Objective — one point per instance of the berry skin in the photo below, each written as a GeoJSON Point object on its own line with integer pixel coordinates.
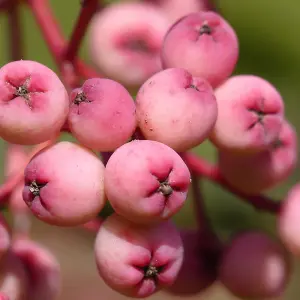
{"type": "Point", "coordinates": [204, 44]}
{"type": "Point", "coordinates": [176, 9]}
{"type": "Point", "coordinates": [64, 185]}
{"type": "Point", "coordinates": [14, 281]}
{"type": "Point", "coordinates": [255, 267]}
{"type": "Point", "coordinates": [34, 103]}
{"type": "Point", "coordinates": [125, 41]}
{"type": "Point", "coordinates": [251, 114]}
{"type": "Point", "coordinates": [136, 260]}
{"type": "Point", "coordinates": [288, 221]}
{"type": "Point", "coordinates": [43, 269]}
{"type": "Point", "coordinates": [146, 181]}
{"type": "Point", "coordinates": [200, 262]}
{"type": "Point", "coordinates": [102, 114]}
{"type": "Point", "coordinates": [256, 172]}
{"type": "Point", "coordinates": [176, 109]}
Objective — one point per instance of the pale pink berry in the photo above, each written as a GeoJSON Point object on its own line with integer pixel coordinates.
{"type": "Point", "coordinates": [42, 267]}
{"type": "Point", "coordinates": [288, 221]}
{"type": "Point", "coordinates": [64, 185]}
{"type": "Point", "coordinates": [33, 103]}
{"type": "Point", "coordinates": [136, 260]}
{"type": "Point", "coordinates": [254, 266]}
{"type": "Point", "coordinates": [14, 281]}
{"type": "Point", "coordinates": [125, 41]}
{"type": "Point", "coordinates": [253, 173]}
{"type": "Point", "coordinates": [146, 181]}
{"type": "Point", "coordinates": [176, 109]}
{"type": "Point", "coordinates": [204, 44]}
{"type": "Point", "coordinates": [102, 114]}
{"type": "Point", "coordinates": [251, 113]}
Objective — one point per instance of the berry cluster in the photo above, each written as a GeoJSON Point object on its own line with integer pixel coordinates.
{"type": "Point", "coordinates": [133, 154]}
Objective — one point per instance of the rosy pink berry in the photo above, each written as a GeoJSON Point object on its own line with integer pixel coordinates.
{"type": "Point", "coordinates": [251, 113]}
{"type": "Point", "coordinates": [43, 269]}
{"type": "Point", "coordinates": [136, 260]}
{"type": "Point", "coordinates": [253, 173]}
{"type": "Point", "coordinates": [33, 103]}
{"type": "Point", "coordinates": [64, 185]}
{"type": "Point", "coordinates": [125, 41]}
{"type": "Point", "coordinates": [176, 109]}
{"type": "Point", "coordinates": [255, 267]}
{"type": "Point", "coordinates": [102, 114]}
{"type": "Point", "coordinates": [146, 181]}
{"type": "Point", "coordinates": [204, 44]}
{"type": "Point", "coordinates": [288, 221]}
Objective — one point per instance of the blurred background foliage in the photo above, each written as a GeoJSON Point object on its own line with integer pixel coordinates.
{"type": "Point", "coordinates": [269, 38]}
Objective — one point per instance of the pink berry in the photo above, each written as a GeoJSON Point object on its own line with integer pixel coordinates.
{"type": "Point", "coordinates": [200, 262]}
{"type": "Point", "coordinates": [64, 185]}
{"type": "Point", "coordinates": [136, 260]}
{"type": "Point", "coordinates": [146, 181]}
{"type": "Point", "coordinates": [43, 269]}
{"type": "Point", "coordinates": [255, 267]}
{"type": "Point", "coordinates": [14, 277]}
{"type": "Point", "coordinates": [253, 173]}
{"type": "Point", "coordinates": [176, 109]}
{"type": "Point", "coordinates": [33, 103]}
{"type": "Point", "coordinates": [176, 9]}
{"type": "Point", "coordinates": [3, 296]}
{"type": "Point", "coordinates": [251, 113]}
{"type": "Point", "coordinates": [102, 114]}
{"type": "Point", "coordinates": [125, 41]}
{"type": "Point", "coordinates": [204, 44]}
{"type": "Point", "coordinates": [288, 221]}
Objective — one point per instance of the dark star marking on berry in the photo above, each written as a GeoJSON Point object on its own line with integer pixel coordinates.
{"type": "Point", "coordinates": [205, 29]}
{"type": "Point", "coordinates": [81, 97]}
{"type": "Point", "coordinates": [192, 86]}
{"type": "Point", "coordinates": [35, 188]}
{"type": "Point", "coordinates": [165, 188]}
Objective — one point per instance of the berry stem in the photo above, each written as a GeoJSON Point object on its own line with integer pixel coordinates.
{"type": "Point", "coordinates": [15, 32]}
{"type": "Point", "coordinates": [56, 42]}
{"type": "Point", "coordinates": [88, 9]}
{"type": "Point", "coordinates": [49, 26]}
{"type": "Point", "coordinates": [212, 5]}
{"type": "Point", "coordinates": [198, 200]}
{"type": "Point", "coordinates": [203, 168]}
{"type": "Point", "coordinates": [3, 4]}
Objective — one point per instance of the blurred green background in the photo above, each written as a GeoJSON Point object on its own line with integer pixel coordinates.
{"type": "Point", "coordinates": [269, 35]}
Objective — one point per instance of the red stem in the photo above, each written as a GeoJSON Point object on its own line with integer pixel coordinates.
{"type": "Point", "coordinates": [205, 169]}
{"type": "Point", "coordinates": [88, 9]}
{"type": "Point", "coordinates": [14, 28]}
{"type": "Point", "coordinates": [49, 27]}
{"type": "Point", "coordinates": [3, 4]}
{"type": "Point", "coordinates": [57, 44]}
{"type": "Point", "coordinates": [198, 200]}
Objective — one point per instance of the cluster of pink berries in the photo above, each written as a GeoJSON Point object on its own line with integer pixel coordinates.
{"type": "Point", "coordinates": [186, 96]}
